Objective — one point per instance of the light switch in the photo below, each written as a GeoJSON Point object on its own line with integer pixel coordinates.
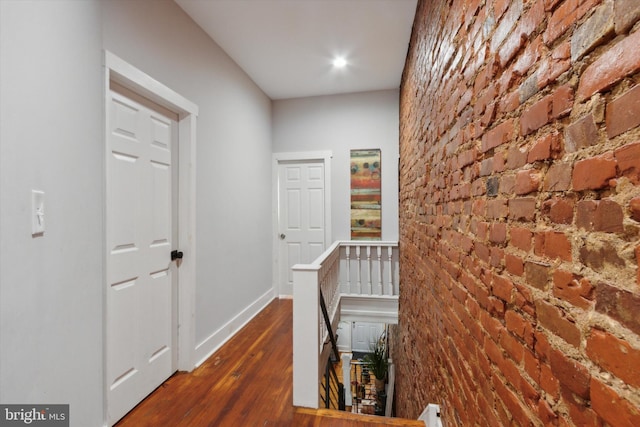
{"type": "Point", "coordinates": [37, 212]}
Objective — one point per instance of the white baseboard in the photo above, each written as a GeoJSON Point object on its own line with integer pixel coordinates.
{"type": "Point", "coordinates": [213, 342]}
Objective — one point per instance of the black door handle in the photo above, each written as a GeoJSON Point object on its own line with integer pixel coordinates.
{"type": "Point", "coordinates": [176, 255]}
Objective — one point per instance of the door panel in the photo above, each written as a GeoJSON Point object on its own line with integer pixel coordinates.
{"type": "Point", "coordinates": [140, 230]}
{"type": "Point", "coordinates": [300, 216]}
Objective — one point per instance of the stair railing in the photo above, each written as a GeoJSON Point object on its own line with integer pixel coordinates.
{"type": "Point", "coordinates": [333, 389]}
{"type": "Point", "coordinates": [356, 281]}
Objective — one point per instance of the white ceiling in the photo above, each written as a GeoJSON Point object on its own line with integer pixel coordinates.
{"type": "Point", "coordinates": [287, 46]}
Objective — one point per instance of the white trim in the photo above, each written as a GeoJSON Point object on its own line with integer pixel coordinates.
{"type": "Point", "coordinates": [277, 158]}
{"type": "Point", "coordinates": [132, 78]}
{"type": "Point", "coordinates": [213, 342]}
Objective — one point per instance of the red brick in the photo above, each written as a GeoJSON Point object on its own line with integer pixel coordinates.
{"type": "Point", "coordinates": [615, 355]}
{"type": "Point", "coordinates": [498, 162]}
{"type": "Point", "coordinates": [557, 245]}
{"type": "Point", "coordinates": [612, 66]}
{"type": "Point", "coordinates": [514, 264]}
{"type": "Point", "coordinates": [497, 136]}
{"type": "Point", "coordinates": [505, 25]}
{"type": "Point", "coordinates": [600, 215]}
{"type": "Point", "coordinates": [491, 325]}
{"type": "Point", "coordinates": [542, 346]}
{"type": "Point", "coordinates": [549, 382]}
{"type": "Point", "coordinates": [512, 346]}
{"type": "Point", "coordinates": [527, 24]}
{"type": "Point", "coordinates": [553, 67]}
{"type": "Point", "coordinates": [593, 32]}
{"type": "Point", "coordinates": [553, 319]}
{"type": "Point", "coordinates": [628, 158]}
{"type": "Point", "coordinates": [502, 288]}
{"type": "Point", "coordinates": [516, 158]}
{"type": "Point", "coordinates": [623, 113]}
{"type": "Point", "coordinates": [582, 133]}
{"type": "Point", "coordinates": [572, 288]}
{"type": "Point", "coordinates": [558, 177]}
{"type": "Point", "coordinates": [620, 305]}
{"type": "Point", "coordinates": [562, 101]}
{"type": "Point", "coordinates": [497, 257]}
{"type": "Point", "coordinates": [497, 209]}
{"type": "Point", "coordinates": [565, 16]}
{"type": "Point", "coordinates": [522, 209]}
{"type": "Point", "coordinates": [520, 238]}
{"type": "Point", "coordinates": [594, 173]}
{"type": "Point", "coordinates": [486, 167]}
{"type": "Point", "coordinates": [528, 58]}
{"type": "Point", "coordinates": [571, 374]}
{"type": "Point", "coordinates": [536, 116]}
{"type": "Point", "coordinates": [634, 207]}
{"type": "Point", "coordinates": [527, 181]}
{"type": "Point", "coordinates": [541, 149]}
{"type": "Point", "coordinates": [611, 407]}
{"type": "Point", "coordinates": [524, 301]}
{"type": "Point", "coordinates": [537, 274]}
{"type": "Point", "coordinates": [627, 12]}
{"type": "Point", "coordinates": [507, 184]}
{"type": "Point", "coordinates": [559, 211]}
{"type": "Point", "coordinates": [518, 325]}
{"type": "Point", "coordinates": [498, 233]}
{"type": "Point", "coordinates": [509, 102]}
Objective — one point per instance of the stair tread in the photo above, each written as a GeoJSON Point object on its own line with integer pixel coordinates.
{"type": "Point", "coordinates": [369, 420]}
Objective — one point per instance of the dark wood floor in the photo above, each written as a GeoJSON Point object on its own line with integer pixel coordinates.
{"type": "Point", "coordinates": [248, 382]}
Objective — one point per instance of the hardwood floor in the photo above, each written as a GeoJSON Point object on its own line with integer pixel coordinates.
{"type": "Point", "coordinates": [248, 382]}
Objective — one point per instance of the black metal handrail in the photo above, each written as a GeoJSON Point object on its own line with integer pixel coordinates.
{"type": "Point", "coordinates": [337, 391]}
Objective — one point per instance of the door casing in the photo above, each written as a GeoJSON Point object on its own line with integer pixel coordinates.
{"type": "Point", "coordinates": [130, 77]}
{"type": "Point", "coordinates": [278, 158]}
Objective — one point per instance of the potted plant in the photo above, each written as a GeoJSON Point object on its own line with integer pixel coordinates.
{"type": "Point", "coordinates": [378, 363]}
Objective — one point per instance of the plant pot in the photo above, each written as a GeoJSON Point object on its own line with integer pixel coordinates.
{"type": "Point", "coordinates": [380, 385]}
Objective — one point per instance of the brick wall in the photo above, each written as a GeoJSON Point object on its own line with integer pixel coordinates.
{"type": "Point", "coordinates": [520, 213]}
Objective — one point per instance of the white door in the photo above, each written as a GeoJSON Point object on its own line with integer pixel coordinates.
{"type": "Point", "coordinates": [301, 190]}
{"type": "Point", "coordinates": [141, 313]}
{"type": "Point", "coordinates": [365, 336]}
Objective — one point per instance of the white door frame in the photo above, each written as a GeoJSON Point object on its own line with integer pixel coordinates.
{"type": "Point", "coordinates": [132, 78]}
{"type": "Point", "coordinates": [305, 156]}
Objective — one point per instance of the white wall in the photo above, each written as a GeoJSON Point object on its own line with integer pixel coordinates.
{"type": "Point", "coordinates": [341, 123]}
{"type": "Point", "coordinates": [51, 139]}
{"type": "Point", "coordinates": [233, 157]}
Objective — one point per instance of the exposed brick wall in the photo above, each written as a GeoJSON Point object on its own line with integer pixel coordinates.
{"type": "Point", "coordinates": [520, 213]}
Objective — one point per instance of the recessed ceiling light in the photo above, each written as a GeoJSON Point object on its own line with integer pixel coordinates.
{"type": "Point", "coordinates": [339, 62]}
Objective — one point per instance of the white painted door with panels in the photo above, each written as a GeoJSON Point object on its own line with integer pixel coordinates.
{"type": "Point", "coordinates": [141, 182]}
{"type": "Point", "coordinates": [301, 216]}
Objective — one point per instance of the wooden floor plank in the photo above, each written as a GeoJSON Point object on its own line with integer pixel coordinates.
{"type": "Point", "coordinates": [248, 382]}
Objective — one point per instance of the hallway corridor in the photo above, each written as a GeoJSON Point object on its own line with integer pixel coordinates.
{"type": "Point", "coordinates": [248, 382]}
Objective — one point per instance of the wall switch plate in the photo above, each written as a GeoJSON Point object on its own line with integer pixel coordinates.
{"type": "Point", "coordinates": [37, 212]}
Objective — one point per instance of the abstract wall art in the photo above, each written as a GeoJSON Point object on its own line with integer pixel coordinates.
{"type": "Point", "coordinates": [366, 218]}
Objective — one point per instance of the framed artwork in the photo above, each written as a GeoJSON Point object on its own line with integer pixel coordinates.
{"type": "Point", "coordinates": [366, 218]}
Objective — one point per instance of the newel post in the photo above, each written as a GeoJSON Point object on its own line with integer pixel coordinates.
{"type": "Point", "coordinates": [306, 336]}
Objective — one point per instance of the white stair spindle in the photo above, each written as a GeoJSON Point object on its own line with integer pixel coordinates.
{"type": "Point", "coordinates": [379, 253]}
{"type": "Point", "coordinates": [347, 250]}
{"type": "Point", "coordinates": [359, 290]}
{"type": "Point", "coordinates": [369, 287]}
{"type": "Point", "coordinates": [391, 290]}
